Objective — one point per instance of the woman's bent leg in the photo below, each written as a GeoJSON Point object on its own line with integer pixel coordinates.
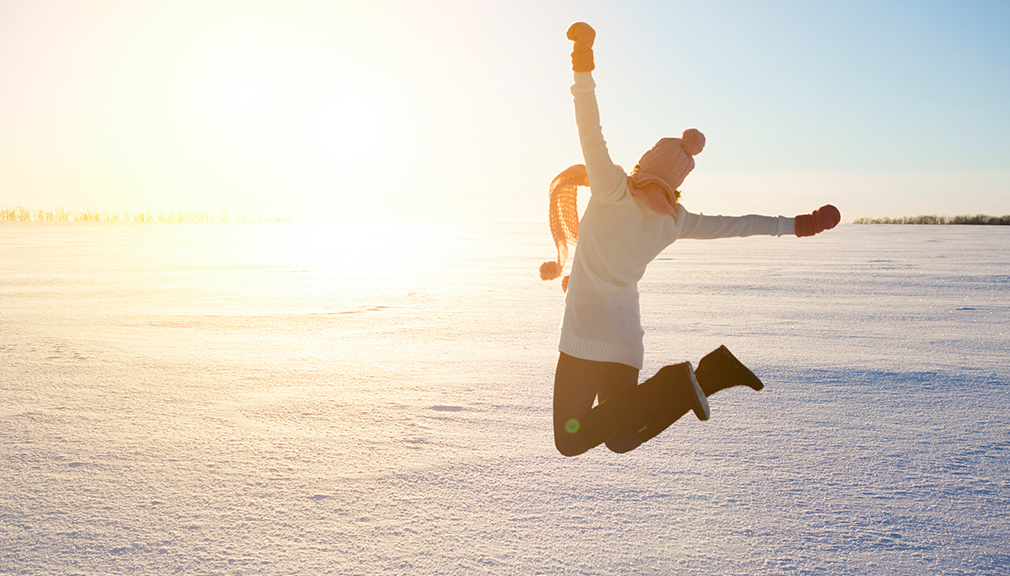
{"type": "Point", "coordinates": [575, 389]}
{"type": "Point", "coordinates": [577, 383]}
{"type": "Point", "coordinates": [627, 414]}
{"type": "Point", "coordinates": [623, 436]}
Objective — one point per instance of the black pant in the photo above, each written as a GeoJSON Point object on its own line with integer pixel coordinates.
{"type": "Point", "coordinates": [577, 383]}
{"type": "Point", "coordinates": [628, 413]}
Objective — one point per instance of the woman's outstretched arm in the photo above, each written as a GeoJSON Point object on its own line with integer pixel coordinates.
{"type": "Point", "coordinates": [606, 180]}
{"type": "Point", "coordinates": [705, 227]}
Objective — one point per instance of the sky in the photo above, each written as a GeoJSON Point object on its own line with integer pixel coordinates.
{"type": "Point", "coordinates": [449, 110]}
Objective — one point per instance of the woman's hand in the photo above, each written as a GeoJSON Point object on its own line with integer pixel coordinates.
{"type": "Point", "coordinates": [583, 35]}
{"type": "Point", "coordinates": [824, 218]}
{"type": "Point", "coordinates": [582, 53]}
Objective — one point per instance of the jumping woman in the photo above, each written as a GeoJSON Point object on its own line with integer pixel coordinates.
{"type": "Point", "coordinates": [629, 220]}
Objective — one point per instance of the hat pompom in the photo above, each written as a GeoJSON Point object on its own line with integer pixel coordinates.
{"type": "Point", "coordinates": [693, 141]}
{"type": "Point", "coordinates": [549, 270]}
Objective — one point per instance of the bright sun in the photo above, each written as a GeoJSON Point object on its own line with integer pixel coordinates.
{"type": "Point", "coordinates": [348, 128]}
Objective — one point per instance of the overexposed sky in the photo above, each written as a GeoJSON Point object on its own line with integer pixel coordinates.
{"type": "Point", "coordinates": [401, 110]}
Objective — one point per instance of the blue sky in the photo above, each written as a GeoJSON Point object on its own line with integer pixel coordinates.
{"type": "Point", "coordinates": [461, 110]}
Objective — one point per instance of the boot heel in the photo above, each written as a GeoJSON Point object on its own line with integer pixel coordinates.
{"type": "Point", "coordinates": [699, 400]}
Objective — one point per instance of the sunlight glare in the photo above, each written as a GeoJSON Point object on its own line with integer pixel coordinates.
{"type": "Point", "coordinates": [244, 95]}
{"type": "Point", "coordinates": [348, 128]}
{"type": "Point", "coordinates": [236, 96]}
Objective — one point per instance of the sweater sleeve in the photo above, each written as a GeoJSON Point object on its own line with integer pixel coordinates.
{"type": "Point", "coordinates": [606, 180]}
{"type": "Point", "coordinates": [703, 227]}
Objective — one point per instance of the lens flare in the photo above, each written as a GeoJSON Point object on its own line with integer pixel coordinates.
{"type": "Point", "coordinates": [572, 426]}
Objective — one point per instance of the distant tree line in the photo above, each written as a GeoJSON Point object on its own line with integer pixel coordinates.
{"type": "Point", "coordinates": [977, 220]}
{"type": "Point", "coordinates": [22, 214]}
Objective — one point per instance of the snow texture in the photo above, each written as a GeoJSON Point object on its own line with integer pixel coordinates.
{"type": "Point", "coordinates": [341, 399]}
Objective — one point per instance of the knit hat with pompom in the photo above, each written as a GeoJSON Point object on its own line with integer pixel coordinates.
{"type": "Point", "coordinates": [670, 161]}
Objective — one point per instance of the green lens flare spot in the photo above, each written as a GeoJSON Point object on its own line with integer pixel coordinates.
{"type": "Point", "coordinates": [572, 426]}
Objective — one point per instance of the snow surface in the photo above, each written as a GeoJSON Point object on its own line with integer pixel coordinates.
{"type": "Point", "coordinates": [339, 399]}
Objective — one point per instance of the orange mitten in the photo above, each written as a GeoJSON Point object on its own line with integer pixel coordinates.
{"type": "Point", "coordinates": [582, 53]}
{"type": "Point", "coordinates": [824, 218]}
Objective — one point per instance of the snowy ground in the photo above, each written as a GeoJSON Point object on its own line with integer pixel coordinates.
{"type": "Point", "coordinates": [311, 399]}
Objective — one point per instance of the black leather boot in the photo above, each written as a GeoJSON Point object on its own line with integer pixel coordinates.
{"type": "Point", "coordinates": [719, 370]}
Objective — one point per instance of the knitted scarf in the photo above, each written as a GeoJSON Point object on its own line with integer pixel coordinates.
{"type": "Point", "coordinates": [564, 213]}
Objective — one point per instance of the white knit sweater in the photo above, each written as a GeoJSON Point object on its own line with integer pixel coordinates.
{"type": "Point", "coordinates": [618, 237]}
